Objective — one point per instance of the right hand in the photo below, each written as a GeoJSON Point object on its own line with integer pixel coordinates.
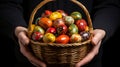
{"type": "Point", "coordinates": [23, 40]}
{"type": "Point", "coordinates": [98, 35]}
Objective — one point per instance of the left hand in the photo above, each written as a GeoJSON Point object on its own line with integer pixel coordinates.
{"type": "Point", "coordinates": [98, 35]}
{"type": "Point", "coordinates": [23, 40]}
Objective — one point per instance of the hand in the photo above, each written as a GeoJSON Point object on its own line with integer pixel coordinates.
{"type": "Point", "coordinates": [98, 35]}
{"type": "Point", "coordinates": [23, 40]}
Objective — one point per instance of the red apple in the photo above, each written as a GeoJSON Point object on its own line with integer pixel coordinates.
{"type": "Point", "coordinates": [51, 30]}
{"type": "Point", "coordinates": [62, 39]}
{"type": "Point", "coordinates": [61, 29]}
{"type": "Point", "coordinates": [81, 24]}
{"type": "Point", "coordinates": [37, 36]}
{"type": "Point", "coordinates": [58, 22]}
{"type": "Point", "coordinates": [46, 13]}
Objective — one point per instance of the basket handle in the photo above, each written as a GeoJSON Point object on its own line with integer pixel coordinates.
{"type": "Point", "coordinates": [33, 14]}
{"type": "Point", "coordinates": [86, 13]}
{"type": "Point", "coordinates": [46, 1]}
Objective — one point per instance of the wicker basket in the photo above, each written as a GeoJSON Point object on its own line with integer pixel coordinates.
{"type": "Point", "coordinates": [53, 53]}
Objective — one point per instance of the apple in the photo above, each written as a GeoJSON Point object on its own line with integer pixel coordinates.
{"type": "Point", "coordinates": [55, 15]}
{"type": "Point", "coordinates": [63, 13]}
{"type": "Point", "coordinates": [49, 38]}
{"type": "Point", "coordinates": [85, 35]}
{"type": "Point", "coordinates": [45, 22]}
{"type": "Point", "coordinates": [47, 13]}
{"type": "Point", "coordinates": [37, 36]}
{"type": "Point", "coordinates": [75, 38]}
{"type": "Point", "coordinates": [76, 15]}
{"type": "Point", "coordinates": [51, 30]}
{"type": "Point", "coordinates": [81, 24]}
{"type": "Point", "coordinates": [61, 29]}
{"type": "Point", "coordinates": [72, 29]}
{"type": "Point", "coordinates": [39, 29]}
{"type": "Point", "coordinates": [58, 22]}
{"type": "Point", "coordinates": [68, 20]}
{"type": "Point", "coordinates": [62, 39]}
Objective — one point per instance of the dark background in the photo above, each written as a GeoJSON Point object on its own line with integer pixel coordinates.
{"type": "Point", "coordinates": [111, 51]}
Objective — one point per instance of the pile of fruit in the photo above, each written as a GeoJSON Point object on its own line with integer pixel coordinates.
{"type": "Point", "coordinates": [59, 27]}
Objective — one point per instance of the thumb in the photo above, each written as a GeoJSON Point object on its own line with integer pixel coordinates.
{"type": "Point", "coordinates": [35, 61]}
{"type": "Point", "coordinates": [98, 36]}
{"type": "Point", "coordinates": [89, 56]}
{"type": "Point", "coordinates": [23, 37]}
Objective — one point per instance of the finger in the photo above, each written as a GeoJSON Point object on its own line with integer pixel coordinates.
{"type": "Point", "coordinates": [89, 56]}
{"type": "Point", "coordinates": [35, 61]}
{"type": "Point", "coordinates": [23, 38]}
{"type": "Point", "coordinates": [24, 49]}
{"type": "Point", "coordinates": [98, 35]}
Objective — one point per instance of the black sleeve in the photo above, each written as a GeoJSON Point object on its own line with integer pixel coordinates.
{"type": "Point", "coordinates": [11, 16]}
{"type": "Point", "coordinates": [106, 16]}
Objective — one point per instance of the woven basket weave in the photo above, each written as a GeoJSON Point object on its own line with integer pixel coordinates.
{"type": "Point", "coordinates": [53, 53]}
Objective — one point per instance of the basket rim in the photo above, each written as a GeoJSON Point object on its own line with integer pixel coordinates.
{"type": "Point", "coordinates": [58, 44]}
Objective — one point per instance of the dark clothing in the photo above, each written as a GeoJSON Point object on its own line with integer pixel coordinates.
{"type": "Point", "coordinates": [105, 15]}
